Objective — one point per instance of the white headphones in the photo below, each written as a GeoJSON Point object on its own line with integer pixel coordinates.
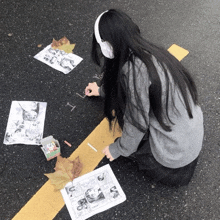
{"type": "Point", "coordinates": [106, 47]}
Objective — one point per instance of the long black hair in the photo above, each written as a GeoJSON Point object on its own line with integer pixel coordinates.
{"type": "Point", "coordinates": [124, 35]}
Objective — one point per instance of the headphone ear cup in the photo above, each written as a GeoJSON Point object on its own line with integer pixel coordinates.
{"type": "Point", "coordinates": [107, 49]}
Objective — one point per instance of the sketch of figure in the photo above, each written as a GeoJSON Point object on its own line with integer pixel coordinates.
{"type": "Point", "coordinates": [53, 51]}
{"type": "Point", "coordinates": [83, 204]}
{"type": "Point", "coordinates": [101, 177]}
{"type": "Point", "coordinates": [67, 63]}
{"type": "Point", "coordinates": [70, 190]}
{"type": "Point", "coordinates": [29, 112]}
{"type": "Point", "coordinates": [51, 55]}
{"type": "Point", "coordinates": [94, 194]}
{"type": "Point", "coordinates": [11, 137]}
{"type": "Point", "coordinates": [24, 125]}
{"type": "Point", "coordinates": [114, 192]}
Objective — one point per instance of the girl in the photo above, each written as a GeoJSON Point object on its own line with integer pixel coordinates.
{"type": "Point", "coordinates": [152, 97]}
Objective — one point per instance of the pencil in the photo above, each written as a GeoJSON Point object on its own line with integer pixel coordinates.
{"type": "Point", "coordinates": [92, 147]}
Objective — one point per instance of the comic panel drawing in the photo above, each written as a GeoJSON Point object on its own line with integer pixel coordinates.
{"type": "Point", "coordinates": [80, 207]}
{"type": "Point", "coordinates": [94, 196]}
{"type": "Point", "coordinates": [103, 178]}
{"type": "Point", "coordinates": [100, 191]}
{"type": "Point", "coordinates": [111, 191]}
{"type": "Point", "coordinates": [25, 123]}
{"type": "Point", "coordinates": [73, 191]}
{"type": "Point", "coordinates": [58, 59]}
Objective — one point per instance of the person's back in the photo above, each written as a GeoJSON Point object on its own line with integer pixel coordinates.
{"type": "Point", "coordinates": [181, 145]}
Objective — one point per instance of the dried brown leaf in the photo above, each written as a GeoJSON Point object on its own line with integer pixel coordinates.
{"type": "Point", "coordinates": [67, 48]}
{"type": "Point", "coordinates": [58, 179]}
{"type": "Point", "coordinates": [65, 165]}
{"type": "Point", "coordinates": [65, 171]}
{"type": "Point", "coordinates": [63, 44]}
{"type": "Point", "coordinates": [77, 167]}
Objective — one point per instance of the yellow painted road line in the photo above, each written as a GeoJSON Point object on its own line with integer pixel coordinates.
{"type": "Point", "coordinates": [46, 203]}
{"type": "Point", "coordinates": [178, 52]}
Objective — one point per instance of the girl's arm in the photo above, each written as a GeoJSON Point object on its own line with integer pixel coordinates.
{"type": "Point", "coordinates": [131, 135]}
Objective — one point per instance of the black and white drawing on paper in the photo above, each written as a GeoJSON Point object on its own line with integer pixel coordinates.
{"type": "Point", "coordinates": [58, 59]}
{"type": "Point", "coordinates": [25, 123]}
{"type": "Point", "coordinates": [92, 193]}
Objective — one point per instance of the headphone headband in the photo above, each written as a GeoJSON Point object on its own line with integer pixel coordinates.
{"type": "Point", "coordinates": [96, 28]}
{"type": "Point", "coordinates": [106, 47]}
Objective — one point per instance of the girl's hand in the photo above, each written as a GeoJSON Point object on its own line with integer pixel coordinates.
{"type": "Point", "coordinates": [92, 89]}
{"type": "Point", "coordinates": [107, 153]}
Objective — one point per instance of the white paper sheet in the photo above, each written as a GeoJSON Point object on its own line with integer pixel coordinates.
{"type": "Point", "coordinates": [58, 59]}
{"type": "Point", "coordinates": [25, 123]}
{"type": "Point", "coordinates": [92, 193]}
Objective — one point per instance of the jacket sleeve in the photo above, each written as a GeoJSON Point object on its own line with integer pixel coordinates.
{"type": "Point", "coordinates": [101, 91]}
{"type": "Point", "coordinates": [131, 135]}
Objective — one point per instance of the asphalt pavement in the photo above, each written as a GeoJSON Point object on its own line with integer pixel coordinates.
{"type": "Point", "coordinates": [193, 25]}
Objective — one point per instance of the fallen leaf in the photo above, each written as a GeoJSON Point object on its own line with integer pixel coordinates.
{"type": "Point", "coordinates": [64, 40]}
{"type": "Point", "coordinates": [59, 179]}
{"type": "Point", "coordinates": [39, 45]}
{"type": "Point", "coordinates": [77, 168]}
{"type": "Point", "coordinates": [65, 171]}
{"type": "Point", "coordinates": [56, 44]}
{"type": "Point", "coordinates": [63, 44]}
{"type": "Point", "coordinates": [67, 48]}
{"type": "Point", "coordinates": [65, 165]}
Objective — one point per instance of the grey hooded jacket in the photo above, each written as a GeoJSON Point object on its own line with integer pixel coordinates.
{"type": "Point", "coordinates": [173, 149]}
